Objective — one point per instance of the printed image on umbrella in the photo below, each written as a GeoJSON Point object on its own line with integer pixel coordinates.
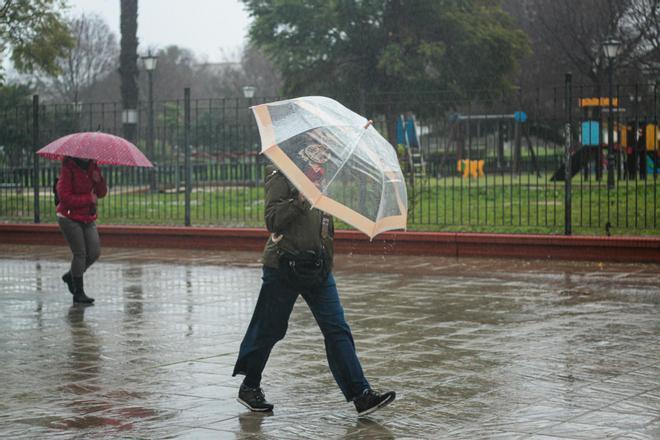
{"type": "Point", "coordinates": [104, 148]}
{"type": "Point", "coordinates": [362, 182]}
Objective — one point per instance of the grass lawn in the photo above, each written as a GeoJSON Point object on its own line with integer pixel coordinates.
{"type": "Point", "coordinates": [533, 204]}
{"type": "Point", "coordinates": [519, 204]}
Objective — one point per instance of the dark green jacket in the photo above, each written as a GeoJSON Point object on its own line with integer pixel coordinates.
{"type": "Point", "coordinates": [300, 228]}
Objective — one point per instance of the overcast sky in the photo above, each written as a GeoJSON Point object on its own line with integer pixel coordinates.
{"type": "Point", "coordinates": [216, 29]}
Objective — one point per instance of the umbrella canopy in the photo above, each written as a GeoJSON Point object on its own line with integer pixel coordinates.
{"type": "Point", "coordinates": [362, 183]}
{"type": "Point", "coordinates": [102, 147]}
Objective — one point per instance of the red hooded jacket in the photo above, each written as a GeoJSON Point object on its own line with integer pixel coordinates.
{"type": "Point", "coordinates": [74, 189]}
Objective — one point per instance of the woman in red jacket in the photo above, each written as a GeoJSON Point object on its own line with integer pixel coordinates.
{"type": "Point", "coordinates": [79, 186]}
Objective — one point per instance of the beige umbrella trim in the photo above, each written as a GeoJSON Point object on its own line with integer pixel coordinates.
{"type": "Point", "coordinates": [325, 203]}
{"type": "Point", "coordinates": [318, 199]}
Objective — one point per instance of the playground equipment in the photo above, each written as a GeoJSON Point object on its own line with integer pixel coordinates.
{"type": "Point", "coordinates": [652, 144]}
{"type": "Point", "coordinates": [473, 168]}
{"type": "Point", "coordinates": [406, 136]}
{"type": "Point", "coordinates": [635, 144]}
{"type": "Point", "coordinates": [592, 143]}
{"type": "Point", "coordinates": [461, 127]}
{"type": "Point", "coordinates": [593, 138]}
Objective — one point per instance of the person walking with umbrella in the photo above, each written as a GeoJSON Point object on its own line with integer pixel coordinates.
{"type": "Point", "coordinates": [298, 260]}
{"type": "Point", "coordinates": [79, 186]}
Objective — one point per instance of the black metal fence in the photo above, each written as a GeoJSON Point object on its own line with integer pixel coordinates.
{"type": "Point", "coordinates": [497, 165]}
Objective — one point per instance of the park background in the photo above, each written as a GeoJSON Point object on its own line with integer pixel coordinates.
{"type": "Point", "coordinates": [486, 102]}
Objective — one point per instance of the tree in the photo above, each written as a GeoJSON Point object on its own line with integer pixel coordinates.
{"type": "Point", "coordinates": [227, 79]}
{"type": "Point", "coordinates": [642, 27]}
{"type": "Point", "coordinates": [179, 67]}
{"type": "Point", "coordinates": [128, 69]}
{"type": "Point", "coordinates": [399, 50]}
{"type": "Point", "coordinates": [34, 32]}
{"type": "Point", "coordinates": [567, 36]}
{"type": "Point", "coordinates": [258, 71]}
{"type": "Point", "coordinates": [15, 109]}
{"type": "Point", "coordinates": [175, 71]}
{"type": "Point", "coordinates": [93, 57]}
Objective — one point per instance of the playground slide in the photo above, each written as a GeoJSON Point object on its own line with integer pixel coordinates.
{"type": "Point", "coordinates": [578, 160]}
{"type": "Point", "coordinates": [651, 164]}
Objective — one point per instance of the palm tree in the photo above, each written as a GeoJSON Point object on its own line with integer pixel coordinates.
{"type": "Point", "coordinates": [128, 70]}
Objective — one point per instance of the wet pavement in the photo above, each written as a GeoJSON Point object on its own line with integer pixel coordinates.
{"type": "Point", "coordinates": [475, 348]}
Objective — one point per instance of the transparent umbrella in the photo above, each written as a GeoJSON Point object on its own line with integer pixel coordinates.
{"type": "Point", "coordinates": [362, 183]}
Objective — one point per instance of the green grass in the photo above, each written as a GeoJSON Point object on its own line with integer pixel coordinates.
{"type": "Point", "coordinates": [530, 204]}
{"type": "Point", "coordinates": [236, 206]}
{"type": "Point", "coordinates": [524, 204]}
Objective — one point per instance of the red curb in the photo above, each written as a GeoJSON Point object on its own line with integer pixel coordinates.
{"type": "Point", "coordinates": [622, 249]}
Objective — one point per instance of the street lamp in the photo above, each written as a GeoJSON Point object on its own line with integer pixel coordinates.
{"type": "Point", "coordinates": [248, 91]}
{"type": "Point", "coordinates": [76, 110]}
{"type": "Point", "coordinates": [611, 49]}
{"type": "Point", "coordinates": [150, 62]}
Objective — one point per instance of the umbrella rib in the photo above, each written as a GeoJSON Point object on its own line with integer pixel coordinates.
{"type": "Point", "coordinates": [343, 163]}
{"type": "Point", "coordinates": [382, 198]}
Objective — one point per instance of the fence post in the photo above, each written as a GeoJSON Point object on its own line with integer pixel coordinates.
{"type": "Point", "coordinates": [517, 137]}
{"type": "Point", "coordinates": [187, 161]}
{"type": "Point", "coordinates": [568, 172]}
{"type": "Point", "coordinates": [35, 158]}
{"type": "Point", "coordinates": [656, 157]}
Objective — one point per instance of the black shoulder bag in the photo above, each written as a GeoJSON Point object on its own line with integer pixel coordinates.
{"type": "Point", "coordinates": [303, 270]}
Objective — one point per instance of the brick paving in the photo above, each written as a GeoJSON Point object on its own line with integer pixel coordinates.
{"type": "Point", "coordinates": [475, 348]}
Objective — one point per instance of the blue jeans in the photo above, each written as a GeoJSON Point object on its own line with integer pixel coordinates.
{"type": "Point", "coordinates": [270, 321]}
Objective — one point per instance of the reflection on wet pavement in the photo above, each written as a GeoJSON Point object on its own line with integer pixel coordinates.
{"type": "Point", "coordinates": [475, 348]}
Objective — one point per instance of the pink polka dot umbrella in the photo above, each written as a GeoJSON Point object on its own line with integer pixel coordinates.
{"type": "Point", "coordinates": [104, 148]}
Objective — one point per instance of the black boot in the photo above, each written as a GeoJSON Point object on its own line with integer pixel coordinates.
{"type": "Point", "coordinates": [79, 293]}
{"type": "Point", "coordinates": [68, 279]}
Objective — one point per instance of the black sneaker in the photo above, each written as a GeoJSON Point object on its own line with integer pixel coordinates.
{"type": "Point", "coordinates": [370, 401]}
{"type": "Point", "coordinates": [253, 399]}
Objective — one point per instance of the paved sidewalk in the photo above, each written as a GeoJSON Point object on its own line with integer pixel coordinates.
{"type": "Point", "coordinates": [475, 348]}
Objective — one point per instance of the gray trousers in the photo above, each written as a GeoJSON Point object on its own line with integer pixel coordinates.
{"type": "Point", "coordinates": [83, 239]}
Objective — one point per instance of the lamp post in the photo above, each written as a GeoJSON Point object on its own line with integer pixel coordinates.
{"type": "Point", "coordinates": [76, 106]}
{"type": "Point", "coordinates": [653, 133]}
{"type": "Point", "coordinates": [150, 62]}
{"type": "Point", "coordinates": [611, 50]}
{"type": "Point", "coordinates": [248, 91]}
